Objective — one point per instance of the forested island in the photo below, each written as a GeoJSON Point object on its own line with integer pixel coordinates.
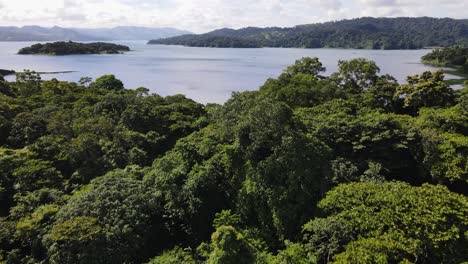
{"type": "Point", "coordinates": [361, 33]}
{"type": "Point", "coordinates": [350, 168]}
{"type": "Point", "coordinates": [73, 48]}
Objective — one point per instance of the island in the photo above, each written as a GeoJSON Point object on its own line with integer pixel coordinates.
{"type": "Point", "coordinates": [361, 33]}
{"type": "Point", "coordinates": [6, 72]}
{"type": "Point", "coordinates": [452, 57]}
{"type": "Point", "coordinates": [73, 48]}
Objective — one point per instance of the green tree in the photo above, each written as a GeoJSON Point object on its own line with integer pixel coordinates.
{"type": "Point", "coordinates": [283, 169]}
{"type": "Point", "coordinates": [108, 82]}
{"type": "Point", "coordinates": [176, 255]}
{"type": "Point", "coordinates": [360, 137]}
{"type": "Point", "coordinates": [36, 174]}
{"type": "Point", "coordinates": [230, 247]}
{"type": "Point", "coordinates": [194, 182]}
{"type": "Point", "coordinates": [226, 218]}
{"type": "Point", "coordinates": [383, 94]}
{"type": "Point", "coordinates": [114, 219]}
{"type": "Point", "coordinates": [426, 90]}
{"type": "Point", "coordinates": [307, 65]}
{"type": "Point", "coordinates": [462, 99]}
{"type": "Point", "coordinates": [26, 128]}
{"type": "Point", "coordinates": [392, 222]}
{"type": "Point", "coordinates": [357, 75]}
{"type": "Point", "coordinates": [76, 240]}
{"type": "Point", "coordinates": [294, 253]}
{"type": "Point", "coordinates": [28, 82]}
{"type": "Point", "coordinates": [446, 158]}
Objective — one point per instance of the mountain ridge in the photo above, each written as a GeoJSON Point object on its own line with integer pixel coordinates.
{"type": "Point", "coordinates": [56, 33]}
{"type": "Point", "coordinates": [361, 33]}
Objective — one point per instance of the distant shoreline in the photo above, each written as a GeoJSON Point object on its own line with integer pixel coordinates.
{"type": "Point", "coordinates": [268, 47]}
{"type": "Point", "coordinates": [11, 72]}
{"type": "Point", "coordinates": [6, 72]}
{"type": "Point", "coordinates": [56, 72]}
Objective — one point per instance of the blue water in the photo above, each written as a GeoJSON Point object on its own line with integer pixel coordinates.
{"type": "Point", "coordinates": [203, 74]}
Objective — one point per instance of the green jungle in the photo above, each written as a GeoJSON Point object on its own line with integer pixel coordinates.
{"type": "Point", "coordinates": [348, 168]}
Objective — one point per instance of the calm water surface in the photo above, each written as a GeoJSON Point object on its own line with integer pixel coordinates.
{"type": "Point", "coordinates": [203, 74]}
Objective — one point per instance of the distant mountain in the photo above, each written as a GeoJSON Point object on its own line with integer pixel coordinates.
{"type": "Point", "coordinates": [130, 33]}
{"type": "Point", "coordinates": [361, 33]}
{"type": "Point", "coordinates": [37, 33]}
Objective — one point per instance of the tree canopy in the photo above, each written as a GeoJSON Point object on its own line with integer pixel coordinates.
{"type": "Point", "coordinates": [349, 168]}
{"type": "Point", "coordinates": [71, 48]}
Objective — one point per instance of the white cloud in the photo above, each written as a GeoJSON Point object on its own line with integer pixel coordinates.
{"type": "Point", "coordinates": [331, 4]}
{"type": "Point", "coordinates": [378, 3]}
{"type": "Point", "coordinates": [204, 15]}
{"type": "Point", "coordinates": [393, 8]}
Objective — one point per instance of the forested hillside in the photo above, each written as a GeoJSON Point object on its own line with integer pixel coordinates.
{"type": "Point", "coordinates": [362, 33]}
{"type": "Point", "coordinates": [351, 168]}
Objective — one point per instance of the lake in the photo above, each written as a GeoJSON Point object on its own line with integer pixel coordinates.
{"type": "Point", "coordinates": [203, 74]}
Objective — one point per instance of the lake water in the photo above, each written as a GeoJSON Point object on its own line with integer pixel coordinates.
{"type": "Point", "coordinates": [203, 74]}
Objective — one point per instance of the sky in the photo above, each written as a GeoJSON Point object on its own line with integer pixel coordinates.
{"type": "Point", "coordinates": [204, 15]}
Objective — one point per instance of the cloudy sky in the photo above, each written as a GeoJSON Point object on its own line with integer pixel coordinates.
{"type": "Point", "coordinates": [204, 15]}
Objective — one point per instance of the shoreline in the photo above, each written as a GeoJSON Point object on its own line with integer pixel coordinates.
{"type": "Point", "coordinates": [452, 70]}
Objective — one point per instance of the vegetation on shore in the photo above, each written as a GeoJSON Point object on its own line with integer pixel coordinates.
{"type": "Point", "coordinates": [448, 57]}
{"type": "Point", "coordinates": [350, 168]}
{"type": "Point", "coordinates": [6, 72]}
{"type": "Point", "coordinates": [453, 57]}
{"type": "Point", "coordinates": [73, 48]}
{"type": "Point", "coordinates": [362, 33]}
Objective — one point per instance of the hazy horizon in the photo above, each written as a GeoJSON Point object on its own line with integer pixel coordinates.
{"type": "Point", "coordinates": [205, 15]}
{"type": "Point", "coordinates": [183, 29]}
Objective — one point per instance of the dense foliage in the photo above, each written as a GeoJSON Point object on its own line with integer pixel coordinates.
{"type": "Point", "coordinates": [362, 33]}
{"type": "Point", "coordinates": [350, 168]}
{"type": "Point", "coordinates": [450, 57]}
{"type": "Point", "coordinates": [70, 48]}
{"type": "Point", "coordinates": [390, 222]}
